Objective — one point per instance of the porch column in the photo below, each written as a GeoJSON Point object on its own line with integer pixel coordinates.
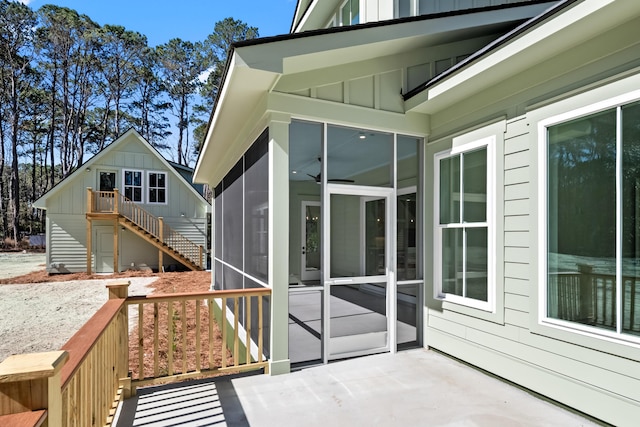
{"type": "Point", "coordinates": [279, 242]}
{"type": "Point", "coordinates": [161, 237]}
{"type": "Point", "coordinates": [89, 242]}
{"type": "Point", "coordinates": [116, 235]}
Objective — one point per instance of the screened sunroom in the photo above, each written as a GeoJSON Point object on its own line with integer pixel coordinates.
{"type": "Point", "coordinates": [355, 281]}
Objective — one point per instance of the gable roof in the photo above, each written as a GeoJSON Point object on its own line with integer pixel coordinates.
{"type": "Point", "coordinates": [557, 30]}
{"type": "Point", "coordinates": [41, 202]}
{"type": "Point", "coordinates": [254, 66]}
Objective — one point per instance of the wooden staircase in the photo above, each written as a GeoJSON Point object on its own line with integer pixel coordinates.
{"type": "Point", "coordinates": [113, 205]}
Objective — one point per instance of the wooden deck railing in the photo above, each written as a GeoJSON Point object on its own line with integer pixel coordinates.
{"type": "Point", "coordinates": [116, 203]}
{"type": "Point", "coordinates": [83, 387]}
{"type": "Point", "coordinates": [590, 298]}
{"type": "Point", "coordinates": [81, 384]}
{"type": "Point", "coordinates": [182, 338]}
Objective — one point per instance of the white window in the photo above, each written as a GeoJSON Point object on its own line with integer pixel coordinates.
{"type": "Point", "coordinates": [591, 209]}
{"type": "Point", "coordinates": [464, 248]}
{"type": "Point", "coordinates": [350, 12]}
{"type": "Point", "coordinates": [133, 185]}
{"type": "Point", "coordinates": [157, 187]}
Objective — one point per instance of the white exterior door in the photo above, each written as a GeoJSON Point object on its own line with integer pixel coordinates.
{"type": "Point", "coordinates": [104, 249]}
{"type": "Point", "coordinates": [358, 271]}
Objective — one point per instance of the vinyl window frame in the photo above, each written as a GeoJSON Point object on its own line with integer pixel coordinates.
{"type": "Point", "coordinates": [149, 187]}
{"type": "Point", "coordinates": [487, 143]}
{"type": "Point", "coordinates": [616, 102]}
{"type": "Point", "coordinates": [132, 186]}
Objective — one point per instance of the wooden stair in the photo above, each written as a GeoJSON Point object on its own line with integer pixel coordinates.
{"type": "Point", "coordinates": [155, 241]}
{"type": "Point", "coordinates": [113, 205]}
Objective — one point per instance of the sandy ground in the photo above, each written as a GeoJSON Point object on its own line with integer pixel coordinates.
{"type": "Point", "coordinates": [43, 316]}
{"type": "Point", "coordinates": [14, 264]}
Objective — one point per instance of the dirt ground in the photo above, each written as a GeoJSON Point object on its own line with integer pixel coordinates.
{"type": "Point", "coordinates": [40, 312]}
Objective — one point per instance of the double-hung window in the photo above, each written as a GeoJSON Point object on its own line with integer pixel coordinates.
{"type": "Point", "coordinates": [593, 220]}
{"type": "Point", "coordinates": [133, 185]}
{"type": "Point", "coordinates": [463, 243]}
{"type": "Point", "coordinates": [157, 187]}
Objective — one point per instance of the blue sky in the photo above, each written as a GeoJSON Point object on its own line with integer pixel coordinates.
{"type": "Point", "coordinates": [193, 20]}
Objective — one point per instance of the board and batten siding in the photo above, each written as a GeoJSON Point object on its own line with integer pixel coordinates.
{"type": "Point", "coordinates": [185, 210]}
{"type": "Point", "coordinates": [378, 10]}
{"type": "Point", "coordinates": [379, 83]}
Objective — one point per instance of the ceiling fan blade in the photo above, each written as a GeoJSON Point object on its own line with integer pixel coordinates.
{"type": "Point", "coordinates": [318, 179]}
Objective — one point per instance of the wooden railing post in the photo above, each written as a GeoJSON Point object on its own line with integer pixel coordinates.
{"type": "Point", "coordinates": [116, 201]}
{"type": "Point", "coordinates": [200, 261]}
{"type": "Point", "coordinates": [31, 382]}
{"type": "Point", "coordinates": [161, 237]}
{"type": "Point", "coordinates": [89, 200]}
{"type": "Point", "coordinates": [120, 290]}
{"type": "Point", "coordinates": [90, 205]}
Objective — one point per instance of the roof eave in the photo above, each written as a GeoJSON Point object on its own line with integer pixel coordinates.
{"type": "Point", "coordinates": [541, 38]}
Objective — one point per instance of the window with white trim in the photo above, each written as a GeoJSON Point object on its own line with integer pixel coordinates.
{"type": "Point", "coordinates": [464, 226]}
{"type": "Point", "coordinates": [133, 185]}
{"type": "Point", "coordinates": [350, 13]}
{"type": "Point", "coordinates": [593, 220]}
{"type": "Point", "coordinates": [157, 187]}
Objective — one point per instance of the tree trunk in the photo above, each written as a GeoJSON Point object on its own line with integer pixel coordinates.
{"type": "Point", "coordinates": [3, 191]}
{"type": "Point", "coordinates": [52, 128]}
{"type": "Point", "coordinates": [15, 178]}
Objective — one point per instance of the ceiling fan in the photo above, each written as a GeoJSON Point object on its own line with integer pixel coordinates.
{"type": "Point", "coordinates": [318, 177]}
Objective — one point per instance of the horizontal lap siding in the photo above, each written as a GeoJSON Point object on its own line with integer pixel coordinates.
{"type": "Point", "coordinates": [517, 186]}
{"type": "Point", "coordinates": [193, 229]}
{"type": "Point", "coordinates": [515, 226]}
{"type": "Point", "coordinates": [69, 232]}
{"type": "Point", "coordinates": [578, 376]}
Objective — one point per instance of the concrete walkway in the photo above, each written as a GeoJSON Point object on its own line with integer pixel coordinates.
{"type": "Point", "coordinates": [416, 387]}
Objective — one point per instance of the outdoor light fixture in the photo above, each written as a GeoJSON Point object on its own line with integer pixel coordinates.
{"type": "Point", "coordinates": [362, 135]}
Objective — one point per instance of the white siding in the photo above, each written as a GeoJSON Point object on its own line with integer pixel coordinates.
{"type": "Point", "coordinates": [185, 210]}
{"type": "Point", "coordinates": [68, 252]}
{"type": "Point", "coordinates": [437, 6]}
{"type": "Point", "coordinates": [582, 377]}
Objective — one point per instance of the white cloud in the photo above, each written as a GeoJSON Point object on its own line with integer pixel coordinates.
{"type": "Point", "coordinates": [25, 1]}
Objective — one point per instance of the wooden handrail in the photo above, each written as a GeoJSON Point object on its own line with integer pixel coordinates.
{"type": "Point", "coordinates": [156, 362]}
{"type": "Point", "coordinates": [183, 296]}
{"type": "Point", "coordinates": [80, 345]}
{"type": "Point", "coordinates": [29, 383]}
{"type": "Point", "coordinates": [83, 383]}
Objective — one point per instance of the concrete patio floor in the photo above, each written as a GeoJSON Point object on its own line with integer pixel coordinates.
{"type": "Point", "coordinates": [415, 387]}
